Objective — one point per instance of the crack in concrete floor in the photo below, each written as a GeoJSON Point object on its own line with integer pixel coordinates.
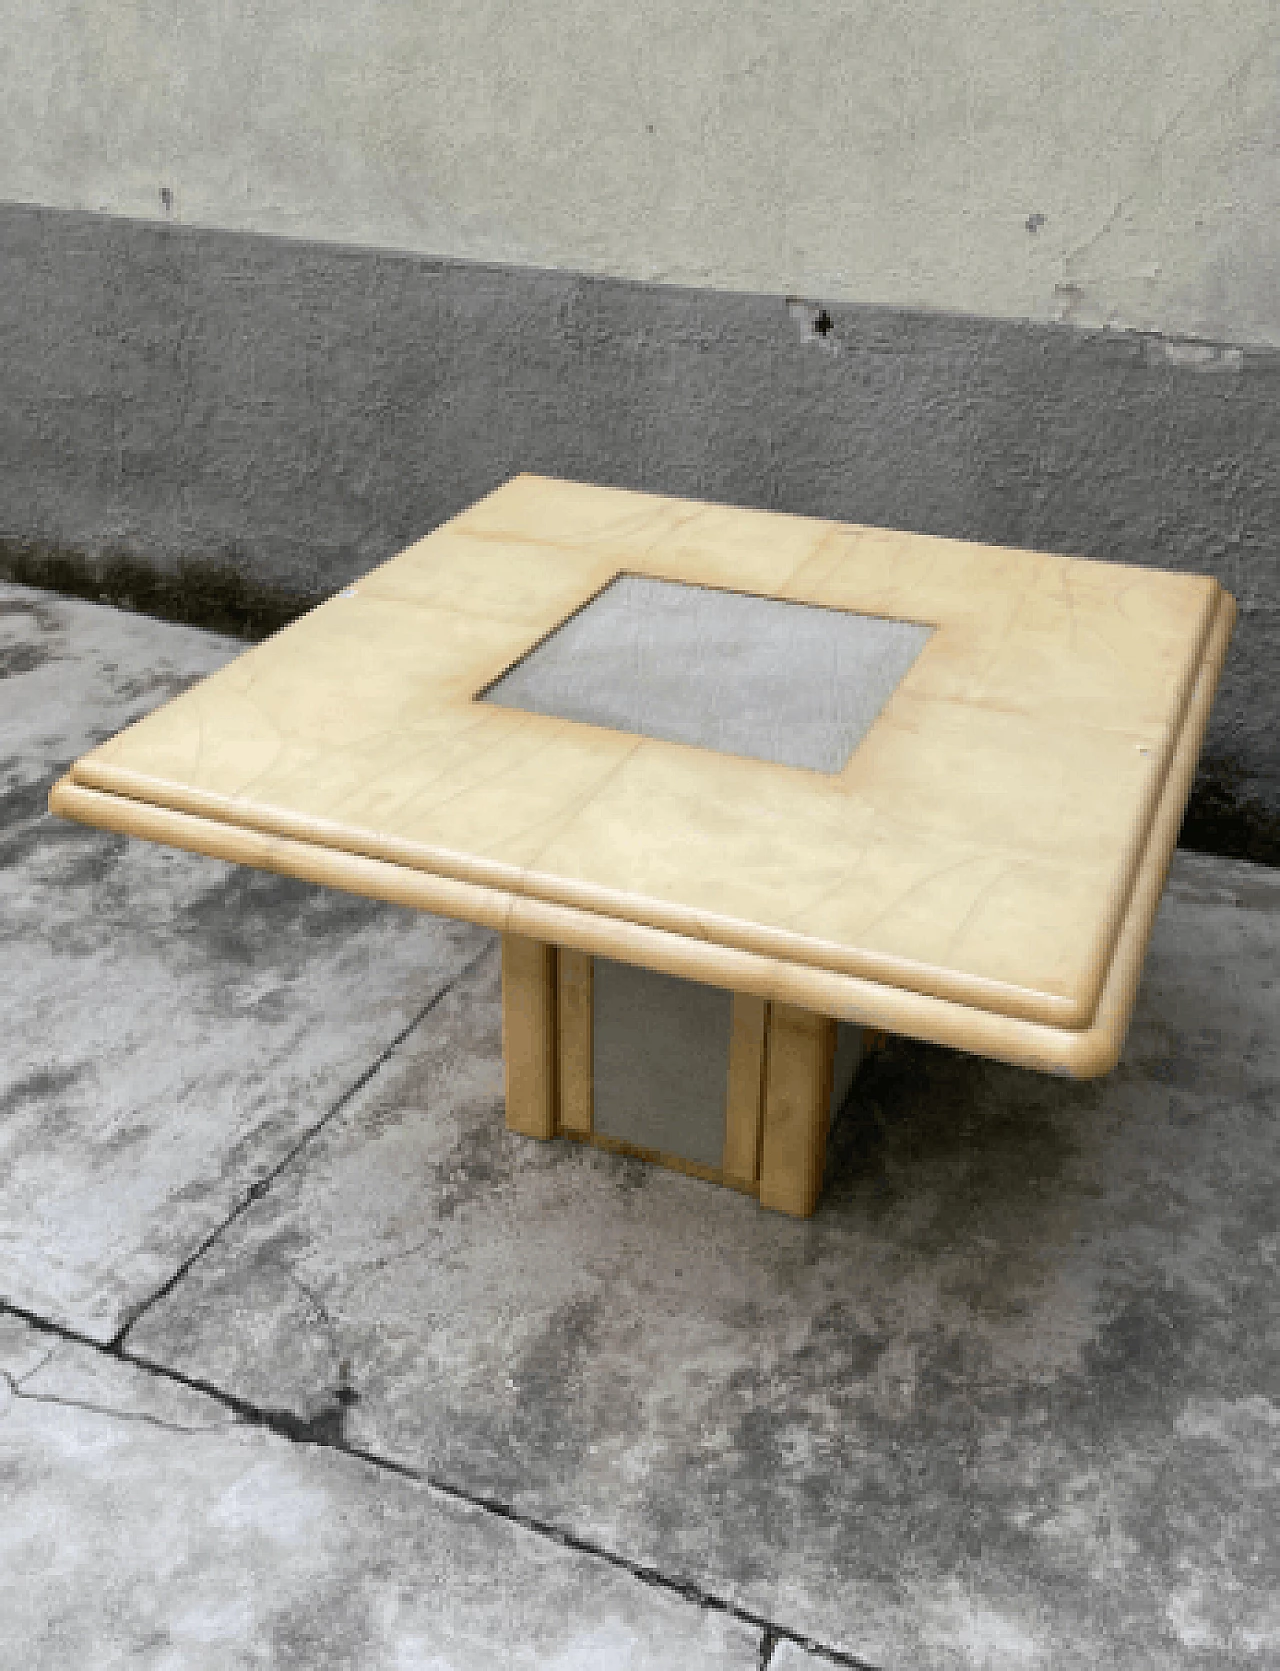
{"type": "Point", "coordinates": [261, 1186]}
{"type": "Point", "coordinates": [326, 1431]}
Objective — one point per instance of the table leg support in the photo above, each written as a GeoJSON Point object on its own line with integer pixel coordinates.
{"type": "Point", "coordinates": [574, 999]}
{"type": "Point", "coordinates": [744, 1099]}
{"type": "Point", "coordinates": [797, 1100]}
{"type": "Point", "coordinates": [529, 1035]}
{"type": "Point", "coordinates": [780, 1070]}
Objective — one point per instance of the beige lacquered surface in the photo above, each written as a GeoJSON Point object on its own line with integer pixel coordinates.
{"type": "Point", "coordinates": [981, 846]}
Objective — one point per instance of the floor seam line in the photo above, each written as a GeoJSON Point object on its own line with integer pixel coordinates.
{"type": "Point", "coordinates": [284, 1424]}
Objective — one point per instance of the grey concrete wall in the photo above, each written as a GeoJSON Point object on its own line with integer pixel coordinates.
{"type": "Point", "coordinates": [1104, 160]}
{"type": "Point", "coordinates": [223, 427]}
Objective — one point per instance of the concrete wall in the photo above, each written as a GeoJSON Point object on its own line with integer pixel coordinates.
{"type": "Point", "coordinates": [281, 287]}
{"type": "Point", "coordinates": [1104, 160]}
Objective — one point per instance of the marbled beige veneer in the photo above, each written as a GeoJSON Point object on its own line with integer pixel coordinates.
{"type": "Point", "coordinates": [983, 871]}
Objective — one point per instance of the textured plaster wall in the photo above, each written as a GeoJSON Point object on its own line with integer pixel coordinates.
{"type": "Point", "coordinates": [1104, 161]}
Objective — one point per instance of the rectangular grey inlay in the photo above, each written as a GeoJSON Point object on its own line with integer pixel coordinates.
{"type": "Point", "coordinates": [660, 1060]}
{"type": "Point", "coordinates": [792, 683]}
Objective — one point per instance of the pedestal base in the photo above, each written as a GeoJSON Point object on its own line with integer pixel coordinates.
{"type": "Point", "coordinates": [722, 1085]}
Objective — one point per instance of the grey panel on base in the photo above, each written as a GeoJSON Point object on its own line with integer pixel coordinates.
{"type": "Point", "coordinates": [661, 1061]}
{"type": "Point", "coordinates": [660, 1049]}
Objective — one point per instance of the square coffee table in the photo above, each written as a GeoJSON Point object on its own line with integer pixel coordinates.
{"type": "Point", "coordinates": [735, 786]}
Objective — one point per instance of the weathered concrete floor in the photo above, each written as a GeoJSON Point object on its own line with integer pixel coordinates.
{"type": "Point", "coordinates": [1011, 1398]}
{"type": "Point", "coordinates": [144, 1525]}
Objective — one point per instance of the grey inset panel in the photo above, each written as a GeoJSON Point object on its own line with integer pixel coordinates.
{"type": "Point", "coordinates": [787, 682]}
{"type": "Point", "coordinates": [661, 1060]}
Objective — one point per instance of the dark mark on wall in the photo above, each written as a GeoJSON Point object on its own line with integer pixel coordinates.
{"type": "Point", "coordinates": [815, 321]}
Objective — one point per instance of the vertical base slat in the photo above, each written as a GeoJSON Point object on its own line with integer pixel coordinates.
{"type": "Point", "coordinates": [744, 1102]}
{"type": "Point", "coordinates": [529, 1034]}
{"type": "Point", "coordinates": [797, 1100]}
{"type": "Point", "coordinates": [574, 1015]}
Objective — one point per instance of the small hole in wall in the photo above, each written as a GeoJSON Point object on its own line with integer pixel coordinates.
{"type": "Point", "coordinates": [822, 324]}
{"type": "Point", "coordinates": [166, 198]}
